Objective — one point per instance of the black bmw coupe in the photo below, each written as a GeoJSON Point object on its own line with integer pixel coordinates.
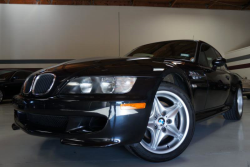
{"type": "Point", "coordinates": [148, 101]}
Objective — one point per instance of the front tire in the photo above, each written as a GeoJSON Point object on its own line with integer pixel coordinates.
{"type": "Point", "coordinates": [248, 96]}
{"type": "Point", "coordinates": [170, 128]}
{"type": "Point", "coordinates": [235, 113]}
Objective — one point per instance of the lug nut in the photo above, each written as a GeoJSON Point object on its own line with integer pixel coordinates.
{"type": "Point", "coordinates": [169, 121]}
{"type": "Point", "coordinates": [163, 129]}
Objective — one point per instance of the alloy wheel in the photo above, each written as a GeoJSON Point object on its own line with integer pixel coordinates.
{"type": "Point", "coordinates": [168, 124]}
{"type": "Point", "coordinates": [240, 101]}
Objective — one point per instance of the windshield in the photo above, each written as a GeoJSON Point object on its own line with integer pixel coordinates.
{"type": "Point", "coordinates": [5, 75]}
{"type": "Point", "coordinates": [170, 50]}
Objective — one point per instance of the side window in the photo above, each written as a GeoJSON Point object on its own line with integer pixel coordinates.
{"type": "Point", "coordinates": [21, 75]}
{"type": "Point", "coordinates": [203, 59]}
{"type": "Point", "coordinates": [207, 55]}
{"type": "Point", "coordinates": [217, 53]}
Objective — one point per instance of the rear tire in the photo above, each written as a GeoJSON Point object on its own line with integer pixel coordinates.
{"type": "Point", "coordinates": [1, 96]}
{"type": "Point", "coordinates": [171, 130]}
{"type": "Point", "coordinates": [248, 96]}
{"type": "Point", "coordinates": [235, 113]}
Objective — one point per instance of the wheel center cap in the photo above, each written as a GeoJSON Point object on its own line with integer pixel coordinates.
{"type": "Point", "coordinates": [161, 121]}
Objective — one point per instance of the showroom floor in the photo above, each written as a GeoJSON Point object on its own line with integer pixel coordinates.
{"type": "Point", "coordinates": [216, 143]}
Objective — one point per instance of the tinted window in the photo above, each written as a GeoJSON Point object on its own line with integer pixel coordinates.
{"type": "Point", "coordinates": [217, 53]}
{"type": "Point", "coordinates": [171, 49]}
{"type": "Point", "coordinates": [207, 55]}
{"type": "Point", "coordinates": [22, 75]}
{"type": "Point", "coordinates": [5, 75]}
{"type": "Point", "coordinates": [203, 59]}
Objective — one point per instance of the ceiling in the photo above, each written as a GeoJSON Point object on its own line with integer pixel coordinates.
{"type": "Point", "coordinates": [201, 4]}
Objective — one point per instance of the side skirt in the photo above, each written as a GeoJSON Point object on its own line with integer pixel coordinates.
{"type": "Point", "coordinates": [207, 114]}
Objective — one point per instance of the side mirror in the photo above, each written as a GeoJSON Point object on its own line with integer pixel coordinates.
{"type": "Point", "coordinates": [245, 77]}
{"type": "Point", "coordinates": [218, 62]}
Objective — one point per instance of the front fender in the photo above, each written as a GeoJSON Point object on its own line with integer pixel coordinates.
{"type": "Point", "coordinates": [181, 81]}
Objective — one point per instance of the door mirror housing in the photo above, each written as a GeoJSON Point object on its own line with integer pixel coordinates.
{"type": "Point", "coordinates": [218, 62]}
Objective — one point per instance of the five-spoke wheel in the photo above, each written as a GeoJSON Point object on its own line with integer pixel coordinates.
{"type": "Point", "coordinates": [168, 123]}
{"type": "Point", "coordinates": [170, 126]}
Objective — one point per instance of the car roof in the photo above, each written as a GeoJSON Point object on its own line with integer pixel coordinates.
{"type": "Point", "coordinates": [173, 41]}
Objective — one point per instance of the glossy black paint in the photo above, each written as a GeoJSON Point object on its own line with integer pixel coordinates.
{"type": "Point", "coordinates": [219, 62]}
{"type": "Point", "coordinates": [12, 85]}
{"type": "Point", "coordinates": [210, 90]}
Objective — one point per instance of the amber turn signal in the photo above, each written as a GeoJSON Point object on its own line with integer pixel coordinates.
{"type": "Point", "coordinates": [131, 106]}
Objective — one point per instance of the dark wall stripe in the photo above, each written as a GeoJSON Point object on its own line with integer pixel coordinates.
{"type": "Point", "coordinates": [238, 58]}
{"type": "Point", "coordinates": [34, 61]}
{"type": "Point", "coordinates": [239, 66]}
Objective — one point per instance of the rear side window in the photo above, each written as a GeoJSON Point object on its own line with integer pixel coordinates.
{"type": "Point", "coordinates": [22, 75]}
{"type": "Point", "coordinates": [207, 55]}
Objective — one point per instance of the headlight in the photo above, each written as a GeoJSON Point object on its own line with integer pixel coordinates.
{"type": "Point", "coordinates": [103, 85]}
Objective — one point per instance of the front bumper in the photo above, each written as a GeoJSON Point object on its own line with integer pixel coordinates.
{"type": "Point", "coordinates": [82, 122]}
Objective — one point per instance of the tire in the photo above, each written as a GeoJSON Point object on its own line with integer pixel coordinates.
{"type": "Point", "coordinates": [175, 127]}
{"type": "Point", "coordinates": [248, 96]}
{"type": "Point", "coordinates": [235, 113]}
{"type": "Point", "coordinates": [1, 96]}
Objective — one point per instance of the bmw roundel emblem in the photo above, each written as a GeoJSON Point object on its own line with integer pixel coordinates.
{"type": "Point", "coordinates": [161, 121]}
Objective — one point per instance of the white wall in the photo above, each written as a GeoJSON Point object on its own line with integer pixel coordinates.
{"type": "Point", "coordinates": [57, 32]}
{"type": "Point", "coordinates": [73, 32]}
{"type": "Point", "coordinates": [244, 72]}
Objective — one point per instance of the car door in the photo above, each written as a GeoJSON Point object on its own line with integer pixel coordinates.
{"type": "Point", "coordinates": [218, 80]}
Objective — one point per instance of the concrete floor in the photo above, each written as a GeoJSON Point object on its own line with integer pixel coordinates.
{"type": "Point", "coordinates": [216, 143]}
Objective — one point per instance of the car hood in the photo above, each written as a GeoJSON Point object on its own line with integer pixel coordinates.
{"type": "Point", "coordinates": [142, 66]}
